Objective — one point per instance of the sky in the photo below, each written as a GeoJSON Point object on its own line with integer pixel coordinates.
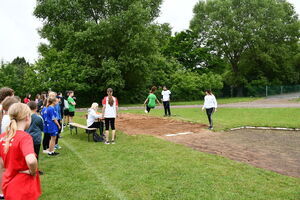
{"type": "Point", "coordinates": [19, 36]}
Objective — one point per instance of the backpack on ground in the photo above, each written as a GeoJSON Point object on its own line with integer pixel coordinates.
{"type": "Point", "coordinates": [97, 138]}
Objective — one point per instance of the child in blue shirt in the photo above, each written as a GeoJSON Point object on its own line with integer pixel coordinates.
{"type": "Point", "coordinates": [53, 125]}
{"type": "Point", "coordinates": [57, 108]}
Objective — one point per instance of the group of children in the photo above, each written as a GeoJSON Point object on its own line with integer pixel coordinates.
{"type": "Point", "coordinates": [19, 151]}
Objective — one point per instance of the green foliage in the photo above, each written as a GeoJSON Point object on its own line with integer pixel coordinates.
{"type": "Point", "coordinates": [257, 37]}
{"type": "Point", "coordinates": [190, 85]}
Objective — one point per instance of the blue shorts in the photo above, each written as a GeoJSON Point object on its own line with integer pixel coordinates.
{"type": "Point", "coordinates": [53, 134]}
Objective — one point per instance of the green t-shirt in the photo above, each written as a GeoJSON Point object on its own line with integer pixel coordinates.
{"type": "Point", "coordinates": [71, 107]}
{"type": "Point", "coordinates": [151, 100]}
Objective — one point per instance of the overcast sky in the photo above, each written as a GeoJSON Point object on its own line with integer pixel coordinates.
{"type": "Point", "coordinates": [19, 37]}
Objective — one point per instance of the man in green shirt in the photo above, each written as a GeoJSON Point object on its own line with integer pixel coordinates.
{"type": "Point", "coordinates": [151, 100]}
{"type": "Point", "coordinates": [72, 104]}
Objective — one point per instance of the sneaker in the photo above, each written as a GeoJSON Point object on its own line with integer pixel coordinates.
{"type": "Point", "coordinates": [57, 146]}
{"type": "Point", "coordinates": [41, 173]}
{"type": "Point", "coordinates": [1, 196]}
{"type": "Point", "coordinates": [210, 128]}
{"type": "Point", "coordinates": [106, 142]}
{"type": "Point", "coordinates": [45, 151]}
{"type": "Point", "coordinates": [53, 153]}
{"type": "Point", "coordinates": [113, 142]}
{"type": "Point", "coordinates": [146, 111]}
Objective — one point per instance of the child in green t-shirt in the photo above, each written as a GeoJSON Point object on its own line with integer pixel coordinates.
{"type": "Point", "coordinates": [151, 100]}
{"type": "Point", "coordinates": [72, 104]}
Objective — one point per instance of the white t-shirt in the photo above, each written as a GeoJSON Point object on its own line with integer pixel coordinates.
{"type": "Point", "coordinates": [110, 111]}
{"type": "Point", "coordinates": [166, 95]}
{"type": "Point", "coordinates": [210, 102]}
{"type": "Point", "coordinates": [92, 116]}
{"type": "Point", "coordinates": [5, 123]}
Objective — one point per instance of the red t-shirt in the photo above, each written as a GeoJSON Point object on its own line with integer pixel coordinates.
{"type": "Point", "coordinates": [15, 185]}
{"type": "Point", "coordinates": [26, 100]}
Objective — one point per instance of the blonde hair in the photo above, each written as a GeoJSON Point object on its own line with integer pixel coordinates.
{"type": "Point", "coordinates": [52, 94]}
{"type": "Point", "coordinates": [17, 112]}
{"type": "Point", "coordinates": [94, 105]}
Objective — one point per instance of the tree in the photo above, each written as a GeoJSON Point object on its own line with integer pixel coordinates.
{"type": "Point", "coordinates": [237, 29]}
{"type": "Point", "coordinates": [98, 44]}
{"type": "Point", "coordinates": [184, 47]}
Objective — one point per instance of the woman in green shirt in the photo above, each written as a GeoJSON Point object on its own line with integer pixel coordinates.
{"type": "Point", "coordinates": [151, 100]}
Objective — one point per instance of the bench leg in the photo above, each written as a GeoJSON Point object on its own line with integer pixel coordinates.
{"type": "Point", "coordinates": [76, 131]}
{"type": "Point", "coordinates": [70, 130]}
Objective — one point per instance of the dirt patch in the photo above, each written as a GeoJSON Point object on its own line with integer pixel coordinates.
{"type": "Point", "coordinates": [278, 151]}
{"type": "Point", "coordinates": [141, 124]}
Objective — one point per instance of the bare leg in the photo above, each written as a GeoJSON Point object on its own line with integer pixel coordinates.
{"type": "Point", "coordinates": [52, 143]}
{"type": "Point", "coordinates": [107, 136]}
{"type": "Point", "coordinates": [113, 133]}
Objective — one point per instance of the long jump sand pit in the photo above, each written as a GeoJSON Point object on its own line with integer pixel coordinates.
{"type": "Point", "coordinates": [278, 151]}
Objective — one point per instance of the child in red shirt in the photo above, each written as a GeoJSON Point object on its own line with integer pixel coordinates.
{"type": "Point", "coordinates": [18, 163]}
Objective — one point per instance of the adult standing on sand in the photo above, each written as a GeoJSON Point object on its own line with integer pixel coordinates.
{"type": "Point", "coordinates": [210, 105]}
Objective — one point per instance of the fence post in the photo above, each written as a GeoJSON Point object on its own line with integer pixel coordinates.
{"type": "Point", "coordinates": [266, 91]}
{"type": "Point", "coordinates": [281, 89]}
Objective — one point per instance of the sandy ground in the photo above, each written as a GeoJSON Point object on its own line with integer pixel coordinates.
{"type": "Point", "coordinates": [278, 151]}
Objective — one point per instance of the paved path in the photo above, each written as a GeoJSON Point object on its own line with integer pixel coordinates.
{"type": "Point", "coordinates": [278, 101]}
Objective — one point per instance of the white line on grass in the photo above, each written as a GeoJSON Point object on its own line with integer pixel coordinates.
{"type": "Point", "coordinates": [115, 191]}
{"type": "Point", "coordinates": [176, 134]}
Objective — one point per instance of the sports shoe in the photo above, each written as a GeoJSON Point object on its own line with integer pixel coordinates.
{"type": "Point", "coordinates": [106, 142]}
{"type": "Point", "coordinates": [57, 146]}
{"type": "Point", "coordinates": [53, 153]}
{"type": "Point", "coordinates": [146, 111]}
{"type": "Point", "coordinates": [112, 142]}
{"type": "Point", "coordinates": [41, 173]}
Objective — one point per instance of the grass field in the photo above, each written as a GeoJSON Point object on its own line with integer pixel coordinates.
{"type": "Point", "coordinates": [226, 118]}
{"type": "Point", "coordinates": [145, 167]}
{"type": "Point", "coordinates": [200, 102]}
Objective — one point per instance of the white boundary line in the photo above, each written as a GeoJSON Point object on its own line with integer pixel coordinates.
{"type": "Point", "coordinates": [265, 128]}
{"type": "Point", "coordinates": [115, 191]}
{"type": "Point", "coordinates": [176, 134]}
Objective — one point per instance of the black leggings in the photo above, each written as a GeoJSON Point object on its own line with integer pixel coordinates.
{"type": "Point", "coordinates": [209, 113]}
{"type": "Point", "coordinates": [59, 131]}
{"type": "Point", "coordinates": [148, 108]}
{"type": "Point", "coordinates": [98, 125]}
{"type": "Point", "coordinates": [37, 150]}
{"type": "Point", "coordinates": [111, 122]}
{"type": "Point", "coordinates": [167, 107]}
{"type": "Point", "coordinates": [46, 141]}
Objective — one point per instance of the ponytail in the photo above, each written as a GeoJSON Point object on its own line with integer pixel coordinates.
{"type": "Point", "coordinates": [110, 97]}
{"type": "Point", "coordinates": [10, 133]}
{"type": "Point", "coordinates": [17, 112]}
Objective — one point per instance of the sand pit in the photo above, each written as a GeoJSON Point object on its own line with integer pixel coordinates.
{"type": "Point", "coordinates": [278, 151]}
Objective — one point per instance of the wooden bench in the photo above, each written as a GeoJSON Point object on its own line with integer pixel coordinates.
{"type": "Point", "coordinates": [88, 130]}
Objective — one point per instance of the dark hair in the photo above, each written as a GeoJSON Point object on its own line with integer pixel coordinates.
{"type": "Point", "coordinates": [209, 92]}
{"type": "Point", "coordinates": [5, 92]}
{"type": "Point", "coordinates": [110, 98]}
{"type": "Point", "coordinates": [8, 102]}
{"type": "Point", "coordinates": [153, 89]}
{"type": "Point", "coordinates": [32, 105]}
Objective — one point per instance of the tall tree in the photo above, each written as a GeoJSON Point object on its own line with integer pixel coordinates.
{"type": "Point", "coordinates": [95, 44]}
{"type": "Point", "coordinates": [236, 29]}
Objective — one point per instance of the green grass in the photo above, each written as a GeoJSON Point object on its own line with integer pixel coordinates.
{"type": "Point", "coordinates": [145, 167]}
{"type": "Point", "coordinates": [226, 118]}
{"type": "Point", "coordinates": [200, 102]}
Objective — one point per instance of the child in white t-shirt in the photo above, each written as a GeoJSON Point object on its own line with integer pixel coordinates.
{"type": "Point", "coordinates": [166, 100]}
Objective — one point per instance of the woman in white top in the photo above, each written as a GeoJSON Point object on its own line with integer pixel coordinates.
{"type": "Point", "coordinates": [210, 104]}
{"type": "Point", "coordinates": [93, 119]}
{"type": "Point", "coordinates": [166, 100]}
{"type": "Point", "coordinates": [109, 113]}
